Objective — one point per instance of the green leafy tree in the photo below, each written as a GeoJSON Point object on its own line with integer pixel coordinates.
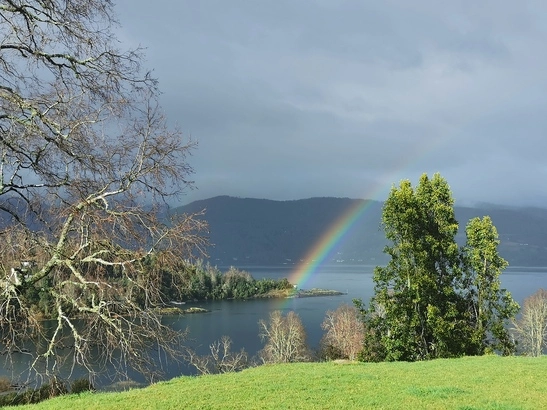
{"type": "Point", "coordinates": [423, 297]}
{"type": "Point", "coordinates": [492, 307]}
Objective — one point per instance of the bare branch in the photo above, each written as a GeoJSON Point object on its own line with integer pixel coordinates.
{"type": "Point", "coordinates": [285, 339]}
{"type": "Point", "coordinates": [220, 360]}
{"type": "Point", "coordinates": [88, 170]}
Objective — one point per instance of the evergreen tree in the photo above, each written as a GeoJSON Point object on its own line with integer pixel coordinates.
{"type": "Point", "coordinates": [426, 297]}
{"type": "Point", "coordinates": [491, 307]}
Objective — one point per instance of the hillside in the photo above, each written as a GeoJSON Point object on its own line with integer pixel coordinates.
{"type": "Point", "coordinates": [247, 231]}
{"type": "Point", "coordinates": [487, 382]}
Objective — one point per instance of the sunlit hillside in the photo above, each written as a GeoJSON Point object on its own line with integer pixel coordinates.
{"type": "Point", "coordinates": [488, 382]}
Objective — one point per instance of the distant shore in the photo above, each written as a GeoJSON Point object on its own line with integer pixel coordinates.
{"type": "Point", "coordinates": [302, 293]}
{"type": "Point", "coordinates": [299, 293]}
{"type": "Point", "coordinates": [281, 294]}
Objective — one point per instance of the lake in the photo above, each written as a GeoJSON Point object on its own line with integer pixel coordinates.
{"type": "Point", "coordinates": [239, 319]}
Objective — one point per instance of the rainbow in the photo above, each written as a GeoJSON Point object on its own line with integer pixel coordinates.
{"type": "Point", "coordinates": [323, 248]}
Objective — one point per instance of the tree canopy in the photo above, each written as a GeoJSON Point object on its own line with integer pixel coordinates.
{"type": "Point", "coordinates": [435, 298]}
{"type": "Point", "coordinates": [88, 164]}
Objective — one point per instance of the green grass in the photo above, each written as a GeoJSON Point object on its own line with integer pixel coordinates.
{"type": "Point", "coordinates": [488, 382]}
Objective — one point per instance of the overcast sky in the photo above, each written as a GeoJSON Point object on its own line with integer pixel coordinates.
{"type": "Point", "coordinates": [291, 99]}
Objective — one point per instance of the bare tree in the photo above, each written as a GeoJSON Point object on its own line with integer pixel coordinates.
{"type": "Point", "coordinates": [345, 333]}
{"type": "Point", "coordinates": [285, 339]}
{"type": "Point", "coordinates": [221, 358]}
{"type": "Point", "coordinates": [531, 327]}
{"type": "Point", "coordinates": [87, 164]}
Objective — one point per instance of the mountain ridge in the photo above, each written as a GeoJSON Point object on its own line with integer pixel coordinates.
{"type": "Point", "coordinates": [253, 231]}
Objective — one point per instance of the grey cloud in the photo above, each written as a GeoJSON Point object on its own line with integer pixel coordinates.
{"type": "Point", "coordinates": [291, 99]}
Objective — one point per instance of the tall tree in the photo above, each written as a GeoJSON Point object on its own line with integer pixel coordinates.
{"type": "Point", "coordinates": [423, 293]}
{"type": "Point", "coordinates": [492, 307]}
{"type": "Point", "coordinates": [87, 162]}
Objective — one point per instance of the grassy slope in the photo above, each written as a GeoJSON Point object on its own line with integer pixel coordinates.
{"type": "Point", "coordinates": [488, 382]}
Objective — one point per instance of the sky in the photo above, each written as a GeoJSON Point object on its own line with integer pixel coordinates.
{"type": "Point", "coordinates": [291, 99]}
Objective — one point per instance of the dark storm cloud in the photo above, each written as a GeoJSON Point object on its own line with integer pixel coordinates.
{"type": "Point", "coordinates": [291, 99]}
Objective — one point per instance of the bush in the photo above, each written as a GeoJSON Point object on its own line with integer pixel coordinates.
{"type": "Point", "coordinates": [221, 360]}
{"type": "Point", "coordinates": [329, 352]}
{"type": "Point", "coordinates": [285, 339]}
{"type": "Point", "coordinates": [9, 399]}
{"type": "Point", "coordinates": [52, 389]}
{"type": "Point", "coordinates": [344, 335]}
{"type": "Point", "coordinates": [81, 385]}
{"type": "Point", "coordinates": [46, 391]}
{"type": "Point", "coordinates": [5, 384]}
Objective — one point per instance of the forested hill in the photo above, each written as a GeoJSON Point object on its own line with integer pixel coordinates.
{"type": "Point", "coordinates": [247, 231]}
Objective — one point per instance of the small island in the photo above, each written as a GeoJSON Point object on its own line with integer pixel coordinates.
{"type": "Point", "coordinates": [285, 292]}
{"type": "Point", "coordinates": [203, 282]}
{"type": "Point", "coordinates": [175, 310]}
{"type": "Point", "coordinates": [293, 292]}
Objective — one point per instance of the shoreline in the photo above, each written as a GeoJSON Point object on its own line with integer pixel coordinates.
{"type": "Point", "coordinates": [177, 309]}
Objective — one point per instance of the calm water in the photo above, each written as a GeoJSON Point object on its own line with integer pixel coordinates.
{"type": "Point", "coordinates": [239, 319]}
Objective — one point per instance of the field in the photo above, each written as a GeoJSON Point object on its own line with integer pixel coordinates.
{"type": "Point", "coordinates": [488, 382]}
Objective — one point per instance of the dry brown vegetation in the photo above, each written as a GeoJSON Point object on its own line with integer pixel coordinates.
{"type": "Point", "coordinates": [531, 327]}
{"type": "Point", "coordinates": [284, 338]}
{"type": "Point", "coordinates": [344, 333]}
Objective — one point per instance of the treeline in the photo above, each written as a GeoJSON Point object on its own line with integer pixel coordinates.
{"type": "Point", "coordinates": [205, 282]}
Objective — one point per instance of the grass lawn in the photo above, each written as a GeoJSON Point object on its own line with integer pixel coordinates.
{"type": "Point", "coordinates": [488, 382]}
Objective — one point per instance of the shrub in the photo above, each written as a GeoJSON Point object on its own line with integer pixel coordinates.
{"type": "Point", "coordinates": [46, 391]}
{"type": "Point", "coordinates": [9, 399]}
{"type": "Point", "coordinates": [285, 339]}
{"type": "Point", "coordinates": [81, 385]}
{"type": "Point", "coordinates": [531, 328]}
{"type": "Point", "coordinates": [221, 360]}
{"type": "Point", "coordinates": [344, 333]}
{"type": "Point", "coordinates": [54, 388]}
{"type": "Point", "coordinates": [5, 384]}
